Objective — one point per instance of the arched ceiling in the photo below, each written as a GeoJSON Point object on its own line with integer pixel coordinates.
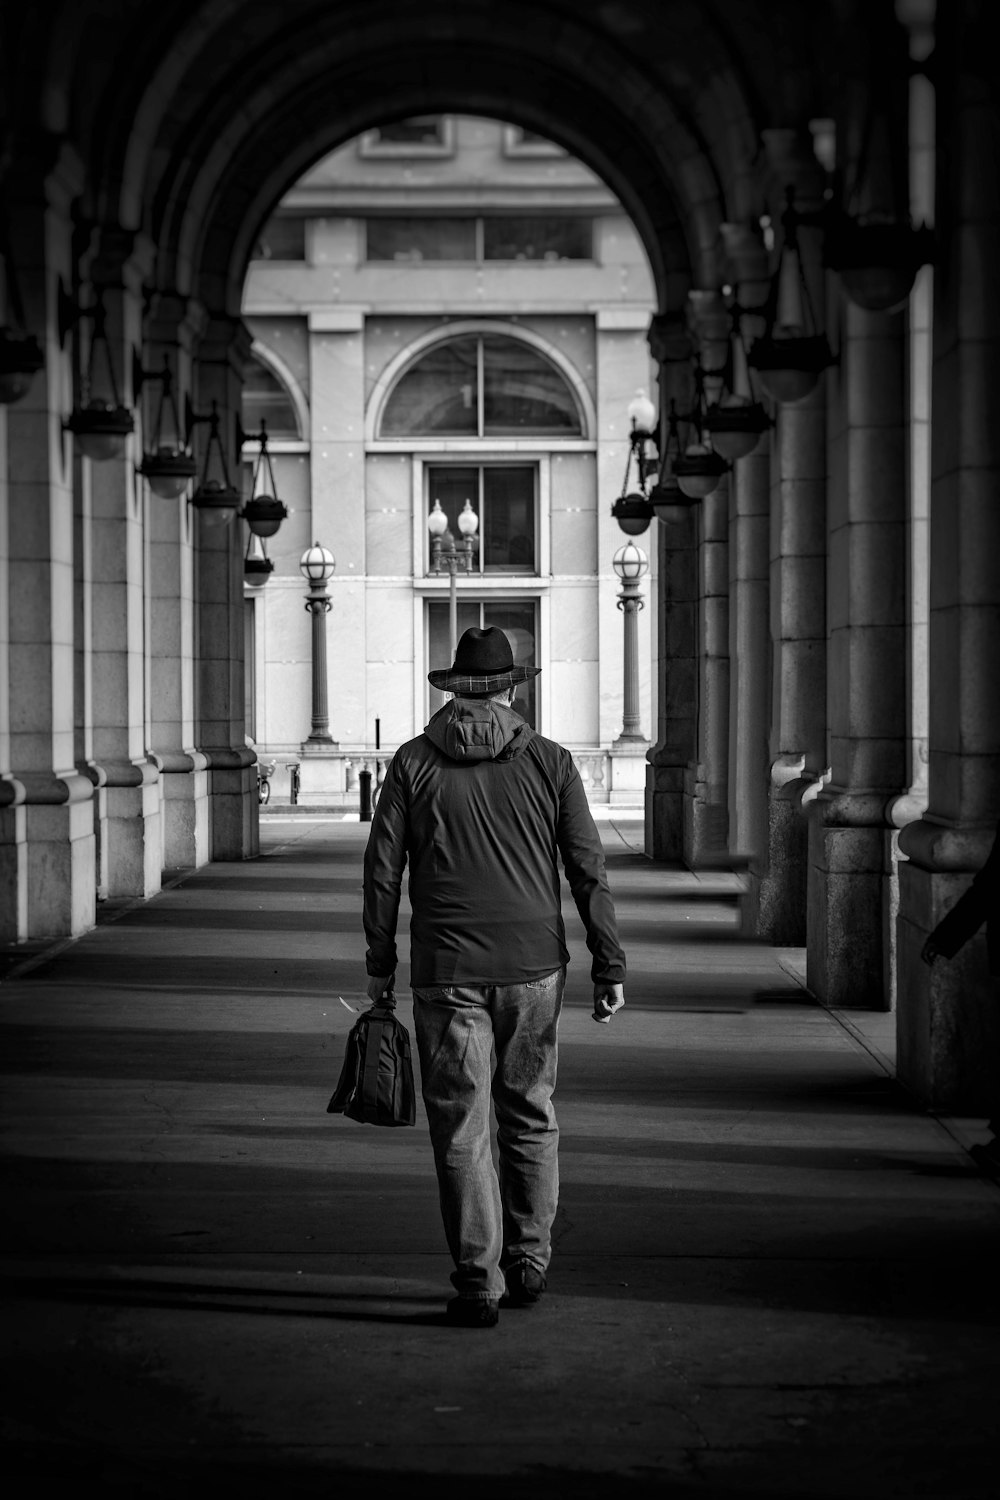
{"type": "Point", "coordinates": [193, 116]}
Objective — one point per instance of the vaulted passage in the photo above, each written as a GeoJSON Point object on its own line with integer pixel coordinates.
{"type": "Point", "coordinates": [813, 192]}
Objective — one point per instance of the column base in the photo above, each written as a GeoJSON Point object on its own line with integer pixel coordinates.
{"type": "Point", "coordinates": [628, 771]}
{"type": "Point", "coordinates": [130, 851]}
{"type": "Point", "coordinates": [234, 826]}
{"type": "Point", "coordinates": [664, 804]}
{"type": "Point", "coordinates": [60, 865]}
{"type": "Point", "coordinates": [706, 823]}
{"type": "Point", "coordinates": [948, 1016]}
{"type": "Point", "coordinates": [183, 809]}
{"type": "Point", "coordinates": [847, 937]}
{"type": "Point", "coordinates": [781, 891]}
{"type": "Point", "coordinates": [13, 870]}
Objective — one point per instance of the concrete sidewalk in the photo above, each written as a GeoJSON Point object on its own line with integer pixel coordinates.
{"type": "Point", "coordinates": [773, 1275]}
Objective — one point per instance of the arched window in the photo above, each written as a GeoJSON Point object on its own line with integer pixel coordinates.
{"type": "Point", "coordinates": [482, 385]}
{"type": "Point", "coordinates": [266, 399]}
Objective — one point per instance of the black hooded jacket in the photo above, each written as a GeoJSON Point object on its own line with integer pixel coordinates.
{"type": "Point", "coordinates": [482, 809]}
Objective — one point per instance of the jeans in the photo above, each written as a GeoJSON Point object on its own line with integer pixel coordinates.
{"type": "Point", "coordinates": [490, 1222]}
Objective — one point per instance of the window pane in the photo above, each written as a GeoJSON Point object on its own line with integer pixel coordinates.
{"type": "Point", "coordinates": [281, 239]}
{"type": "Point", "coordinates": [437, 395]}
{"type": "Point", "coordinates": [538, 239]}
{"type": "Point", "coordinates": [266, 400]}
{"type": "Point", "coordinates": [523, 392]}
{"type": "Point", "coordinates": [439, 654]}
{"type": "Point", "coordinates": [420, 239]}
{"type": "Point", "coordinates": [418, 130]}
{"type": "Point", "coordinates": [508, 520]}
{"type": "Point", "coordinates": [518, 621]}
{"type": "Point", "coordinates": [452, 485]}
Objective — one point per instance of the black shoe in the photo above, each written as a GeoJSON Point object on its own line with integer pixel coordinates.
{"type": "Point", "coordinates": [473, 1312]}
{"type": "Point", "coordinates": [525, 1284]}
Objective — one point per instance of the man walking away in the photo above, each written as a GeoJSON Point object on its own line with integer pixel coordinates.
{"type": "Point", "coordinates": [483, 808]}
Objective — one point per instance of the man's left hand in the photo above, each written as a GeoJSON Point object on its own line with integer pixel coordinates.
{"type": "Point", "coordinates": [382, 990]}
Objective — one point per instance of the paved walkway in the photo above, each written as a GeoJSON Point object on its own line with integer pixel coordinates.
{"type": "Point", "coordinates": [773, 1275]}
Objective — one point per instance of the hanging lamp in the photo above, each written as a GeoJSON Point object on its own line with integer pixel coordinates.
{"type": "Point", "coordinates": [263, 512]}
{"type": "Point", "coordinates": [216, 499]}
{"type": "Point", "coordinates": [168, 466]}
{"type": "Point", "coordinates": [791, 355]}
{"type": "Point", "coordinates": [99, 421]}
{"type": "Point", "coordinates": [737, 421]}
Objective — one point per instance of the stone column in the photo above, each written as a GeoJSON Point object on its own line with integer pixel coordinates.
{"type": "Point", "coordinates": [706, 786]}
{"type": "Point", "coordinates": [749, 657]}
{"type": "Point", "coordinates": [749, 642]}
{"type": "Point", "coordinates": [947, 1019]}
{"type": "Point", "coordinates": [46, 806]}
{"type": "Point", "coordinates": [233, 807]}
{"type": "Point", "coordinates": [678, 589]}
{"type": "Point", "coordinates": [130, 845]}
{"type": "Point", "coordinates": [171, 327]}
{"type": "Point", "coordinates": [850, 838]}
{"type": "Point", "coordinates": [798, 751]}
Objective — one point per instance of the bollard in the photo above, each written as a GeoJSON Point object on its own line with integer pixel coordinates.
{"type": "Point", "coordinates": [365, 788]}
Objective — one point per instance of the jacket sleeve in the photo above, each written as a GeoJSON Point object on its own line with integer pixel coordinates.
{"type": "Point", "coordinates": [583, 860]}
{"type": "Point", "coordinates": [981, 902]}
{"type": "Point", "coordinates": [385, 860]}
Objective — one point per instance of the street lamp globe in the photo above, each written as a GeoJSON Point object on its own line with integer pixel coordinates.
{"type": "Point", "coordinates": [437, 521]}
{"type": "Point", "coordinates": [630, 562]}
{"type": "Point", "coordinates": [317, 565]}
{"type": "Point", "coordinates": [641, 413]}
{"type": "Point", "coordinates": [468, 521]}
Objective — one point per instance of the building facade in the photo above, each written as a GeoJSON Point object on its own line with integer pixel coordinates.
{"type": "Point", "coordinates": [445, 311]}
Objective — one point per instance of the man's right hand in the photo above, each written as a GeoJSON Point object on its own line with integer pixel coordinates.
{"type": "Point", "coordinates": [608, 998]}
{"type": "Point", "coordinates": [930, 952]}
{"type": "Point", "coordinates": [382, 991]}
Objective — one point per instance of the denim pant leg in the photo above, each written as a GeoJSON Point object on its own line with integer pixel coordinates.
{"type": "Point", "coordinates": [525, 1027]}
{"type": "Point", "coordinates": [455, 1040]}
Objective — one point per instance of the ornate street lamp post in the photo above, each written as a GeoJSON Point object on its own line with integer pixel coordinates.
{"type": "Point", "coordinates": [630, 563]}
{"type": "Point", "coordinates": [445, 551]}
{"type": "Point", "coordinates": [317, 567]}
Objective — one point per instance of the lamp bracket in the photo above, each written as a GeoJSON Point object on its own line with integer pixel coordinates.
{"type": "Point", "coordinates": [68, 312]}
{"type": "Point", "coordinates": [164, 377]}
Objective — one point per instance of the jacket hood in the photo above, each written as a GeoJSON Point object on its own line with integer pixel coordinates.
{"type": "Point", "coordinates": [469, 730]}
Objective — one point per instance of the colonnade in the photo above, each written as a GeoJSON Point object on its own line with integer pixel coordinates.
{"type": "Point", "coordinates": [124, 746]}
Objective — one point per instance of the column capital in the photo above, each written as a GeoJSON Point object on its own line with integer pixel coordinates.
{"type": "Point", "coordinates": [226, 341]}
{"type": "Point", "coordinates": [746, 262]}
{"type": "Point", "coordinates": [669, 338]}
{"type": "Point", "coordinates": [791, 163]}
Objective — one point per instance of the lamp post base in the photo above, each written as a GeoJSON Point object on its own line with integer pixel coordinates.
{"type": "Point", "coordinates": [628, 771]}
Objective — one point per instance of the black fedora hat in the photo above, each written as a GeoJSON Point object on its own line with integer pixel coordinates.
{"type": "Point", "coordinates": [483, 665]}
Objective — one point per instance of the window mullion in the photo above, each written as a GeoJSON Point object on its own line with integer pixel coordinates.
{"type": "Point", "coordinates": [482, 521]}
{"type": "Point", "coordinates": [480, 384]}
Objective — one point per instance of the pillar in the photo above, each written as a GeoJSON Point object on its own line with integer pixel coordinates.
{"type": "Point", "coordinates": [850, 842]}
{"type": "Point", "coordinates": [46, 807]}
{"type": "Point", "coordinates": [220, 730]}
{"type": "Point", "coordinates": [947, 1044]}
{"type": "Point", "coordinates": [797, 740]}
{"type": "Point", "coordinates": [749, 641]}
{"type": "Point", "coordinates": [111, 573]}
{"type": "Point", "coordinates": [172, 326]}
{"type": "Point", "coordinates": [749, 658]}
{"type": "Point", "coordinates": [677, 587]}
